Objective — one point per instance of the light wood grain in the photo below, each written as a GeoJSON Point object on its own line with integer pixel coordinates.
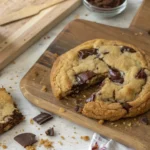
{"type": "Point", "coordinates": [15, 38]}
{"type": "Point", "coordinates": [77, 32]}
{"type": "Point", "coordinates": [142, 19]}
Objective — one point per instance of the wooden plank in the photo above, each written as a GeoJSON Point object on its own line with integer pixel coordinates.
{"type": "Point", "coordinates": [76, 33]}
{"type": "Point", "coordinates": [16, 37]}
{"type": "Point", "coordinates": [141, 20]}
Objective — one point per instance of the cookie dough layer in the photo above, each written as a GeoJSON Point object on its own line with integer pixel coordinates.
{"type": "Point", "coordinates": [124, 92]}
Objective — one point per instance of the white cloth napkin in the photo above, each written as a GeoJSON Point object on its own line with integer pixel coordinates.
{"type": "Point", "coordinates": [101, 143]}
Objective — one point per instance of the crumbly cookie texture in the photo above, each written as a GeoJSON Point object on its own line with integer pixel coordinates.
{"type": "Point", "coordinates": [121, 70]}
{"type": "Point", "coordinates": [9, 114]}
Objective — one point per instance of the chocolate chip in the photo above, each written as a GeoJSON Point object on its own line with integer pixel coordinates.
{"type": "Point", "coordinates": [84, 77]}
{"type": "Point", "coordinates": [50, 132]}
{"type": "Point", "coordinates": [105, 53]}
{"type": "Point", "coordinates": [145, 120]}
{"type": "Point", "coordinates": [126, 106]}
{"type": "Point", "coordinates": [115, 76]}
{"type": "Point", "coordinates": [91, 98]}
{"type": "Point", "coordinates": [78, 109]}
{"type": "Point", "coordinates": [26, 139]}
{"type": "Point", "coordinates": [141, 74]}
{"type": "Point", "coordinates": [127, 49]}
{"type": "Point", "coordinates": [42, 118]}
{"type": "Point", "coordinates": [87, 52]}
{"type": "Point", "coordinates": [148, 32]}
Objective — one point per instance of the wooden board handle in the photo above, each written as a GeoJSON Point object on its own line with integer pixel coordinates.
{"type": "Point", "coordinates": [141, 20]}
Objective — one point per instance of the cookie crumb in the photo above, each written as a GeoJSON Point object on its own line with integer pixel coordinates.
{"type": "Point", "coordinates": [61, 110]}
{"type": "Point", "coordinates": [46, 143]}
{"type": "Point", "coordinates": [130, 124]}
{"type": "Point", "coordinates": [30, 148]}
{"type": "Point", "coordinates": [85, 138]}
{"type": "Point", "coordinates": [62, 137]}
{"type": "Point", "coordinates": [101, 122]}
{"type": "Point", "coordinates": [60, 142]}
{"type": "Point", "coordinates": [4, 146]}
{"type": "Point", "coordinates": [73, 137]}
{"type": "Point", "coordinates": [44, 88]}
{"type": "Point", "coordinates": [31, 121]}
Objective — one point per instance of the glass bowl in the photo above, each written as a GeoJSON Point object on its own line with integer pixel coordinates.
{"type": "Point", "coordinates": [106, 12]}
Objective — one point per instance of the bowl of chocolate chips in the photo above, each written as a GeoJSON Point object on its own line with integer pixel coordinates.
{"type": "Point", "coordinates": [106, 8]}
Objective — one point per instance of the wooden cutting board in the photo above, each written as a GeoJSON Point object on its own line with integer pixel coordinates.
{"type": "Point", "coordinates": [130, 132]}
{"type": "Point", "coordinates": [16, 37]}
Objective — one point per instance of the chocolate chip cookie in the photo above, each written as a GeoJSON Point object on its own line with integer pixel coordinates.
{"type": "Point", "coordinates": [120, 70]}
{"type": "Point", "coordinates": [9, 114]}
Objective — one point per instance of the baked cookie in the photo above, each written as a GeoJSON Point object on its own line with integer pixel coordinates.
{"type": "Point", "coordinates": [121, 70]}
{"type": "Point", "coordinates": [9, 114]}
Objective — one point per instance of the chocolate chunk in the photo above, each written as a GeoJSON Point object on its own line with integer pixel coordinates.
{"type": "Point", "coordinates": [84, 77]}
{"type": "Point", "coordinates": [87, 52]}
{"type": "Point", "coordinates": [42, 118]}
{"type": "Point", "coordinates": [126, 106]}
{"type": "Point", "coordinates": [50, 132]}
{"type": "Point", "coordinates": [115, 76]}
{"type": "Point", "coordinates": [26, 139]}
{"type": "Point", "coordinates": [145, 120]}
{"type": "Point", "coordinates": [127, 49]}
{"type": "Point", "coordinates": [91, 98]}
{"type": "Point", "coordinates": [141, 74]}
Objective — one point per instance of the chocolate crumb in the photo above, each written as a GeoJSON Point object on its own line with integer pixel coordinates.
{"type": "Point", "coordinates": [50, 132]}
{"type": "Point", "coordinates": [145, 120]}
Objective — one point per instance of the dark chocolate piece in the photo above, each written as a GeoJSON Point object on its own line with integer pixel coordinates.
{"type": "Point", "coordinates": [126, 106]}
{"type": "Point", "coordinates": [42, 118]}
{"type": "Point", "coordinates": [141, 74]}
{"type": "Point", "coordinates": [87, 52]}
{"type": "Point", "coordinates": [145, 120]}
{"type": "Point", "coordinates": [26, 139]}
{"type": "Point", "coordinates": [50, 132]}
{"type": "Point", "coordinates": [127, 49]}
{"type": "Point", "coordinates": [91, 98]}
{"type": "Point", "coordinates": [84, 77]}
{"type": "Point", "coordinates": [115, 76]}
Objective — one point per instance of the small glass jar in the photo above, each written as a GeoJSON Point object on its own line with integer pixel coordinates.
{"type": "Point", "coordinates": [106, 12]}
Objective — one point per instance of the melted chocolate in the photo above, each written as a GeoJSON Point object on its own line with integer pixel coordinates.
{"type": "Point", "coordinates": [87, 52]}
{"type": "Point", "coordinates": [92, 98]}
{"type": "Point", "coordinates": [127, 49]}
{"type": "Point", "coordinates": [115, 75]}
{"type": "Point", "coordinates": [126, 106]}
{"type": "Point", "coordinates": [141, 74]}
{"type": "Point", "coordinates": [84, 77]}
